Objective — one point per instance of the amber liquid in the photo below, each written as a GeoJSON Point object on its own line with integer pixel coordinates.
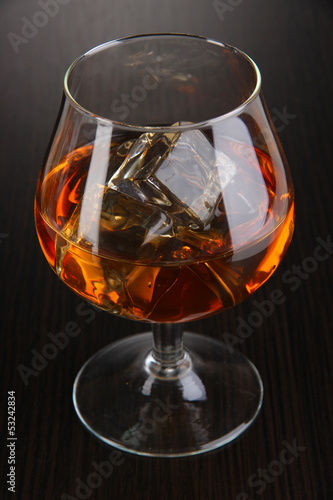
{"type": "Point", "coordinates": [180, 275]}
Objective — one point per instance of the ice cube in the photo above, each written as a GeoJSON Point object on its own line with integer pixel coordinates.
{"type": "Point", "coordinates": [190, 174]}
{"type": "Point", "coordinates": [181, 172]}
{"type": "Point", "coordinates": [114, 224]}
{"type": "Point", "coordinates": [134, 176]}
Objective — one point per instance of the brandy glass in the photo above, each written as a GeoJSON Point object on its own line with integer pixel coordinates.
{"type": "Point", "coordinates": [165, 197]}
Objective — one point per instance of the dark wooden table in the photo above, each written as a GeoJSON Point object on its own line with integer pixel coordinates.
{"type": "Point", "coordinates": [291, 41]}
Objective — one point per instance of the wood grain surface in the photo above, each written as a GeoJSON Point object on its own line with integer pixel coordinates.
{"type": "Point", "coordinates": [292, 43]}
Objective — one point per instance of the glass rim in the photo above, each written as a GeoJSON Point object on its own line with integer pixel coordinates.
{"type": "Point", "coordinates": [159, 128]}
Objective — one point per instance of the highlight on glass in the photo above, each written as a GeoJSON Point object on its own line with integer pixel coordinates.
{"type": "Point", "coordinates": [165, 197]}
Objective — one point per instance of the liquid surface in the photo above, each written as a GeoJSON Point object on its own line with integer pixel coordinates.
{"type": "Point", "coordinates": [162, 227]}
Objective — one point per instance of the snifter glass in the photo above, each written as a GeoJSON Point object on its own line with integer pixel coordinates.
{"type": "Point", "coordinates": [165, 197]}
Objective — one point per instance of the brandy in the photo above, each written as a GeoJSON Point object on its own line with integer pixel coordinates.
{"type": "Point", "coordinates": [169, 229]}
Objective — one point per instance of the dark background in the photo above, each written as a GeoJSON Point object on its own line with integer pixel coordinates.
{"type": "Point", "coordinates": [291, 41]}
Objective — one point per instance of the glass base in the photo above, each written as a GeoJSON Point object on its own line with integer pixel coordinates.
{"type": "Point", "coordinates": [126, 398]}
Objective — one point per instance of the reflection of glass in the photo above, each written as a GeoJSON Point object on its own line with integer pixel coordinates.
{"type": "Point", "coordinates": [165, 198]}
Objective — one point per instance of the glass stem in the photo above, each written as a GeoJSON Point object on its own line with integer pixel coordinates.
{"type": "Point", "coordinates": [168, 343]}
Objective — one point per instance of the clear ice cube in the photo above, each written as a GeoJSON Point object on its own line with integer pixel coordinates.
{"type": "Point", "coordinates": [115, 223]}
{"type": "Point", "coordinates": [181, 172]}
{"type": "Point", "coordinates": [162, 195]}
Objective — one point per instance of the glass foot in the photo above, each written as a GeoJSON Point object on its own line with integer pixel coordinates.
{"type": "Point", "coordinates": [126, 398]}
